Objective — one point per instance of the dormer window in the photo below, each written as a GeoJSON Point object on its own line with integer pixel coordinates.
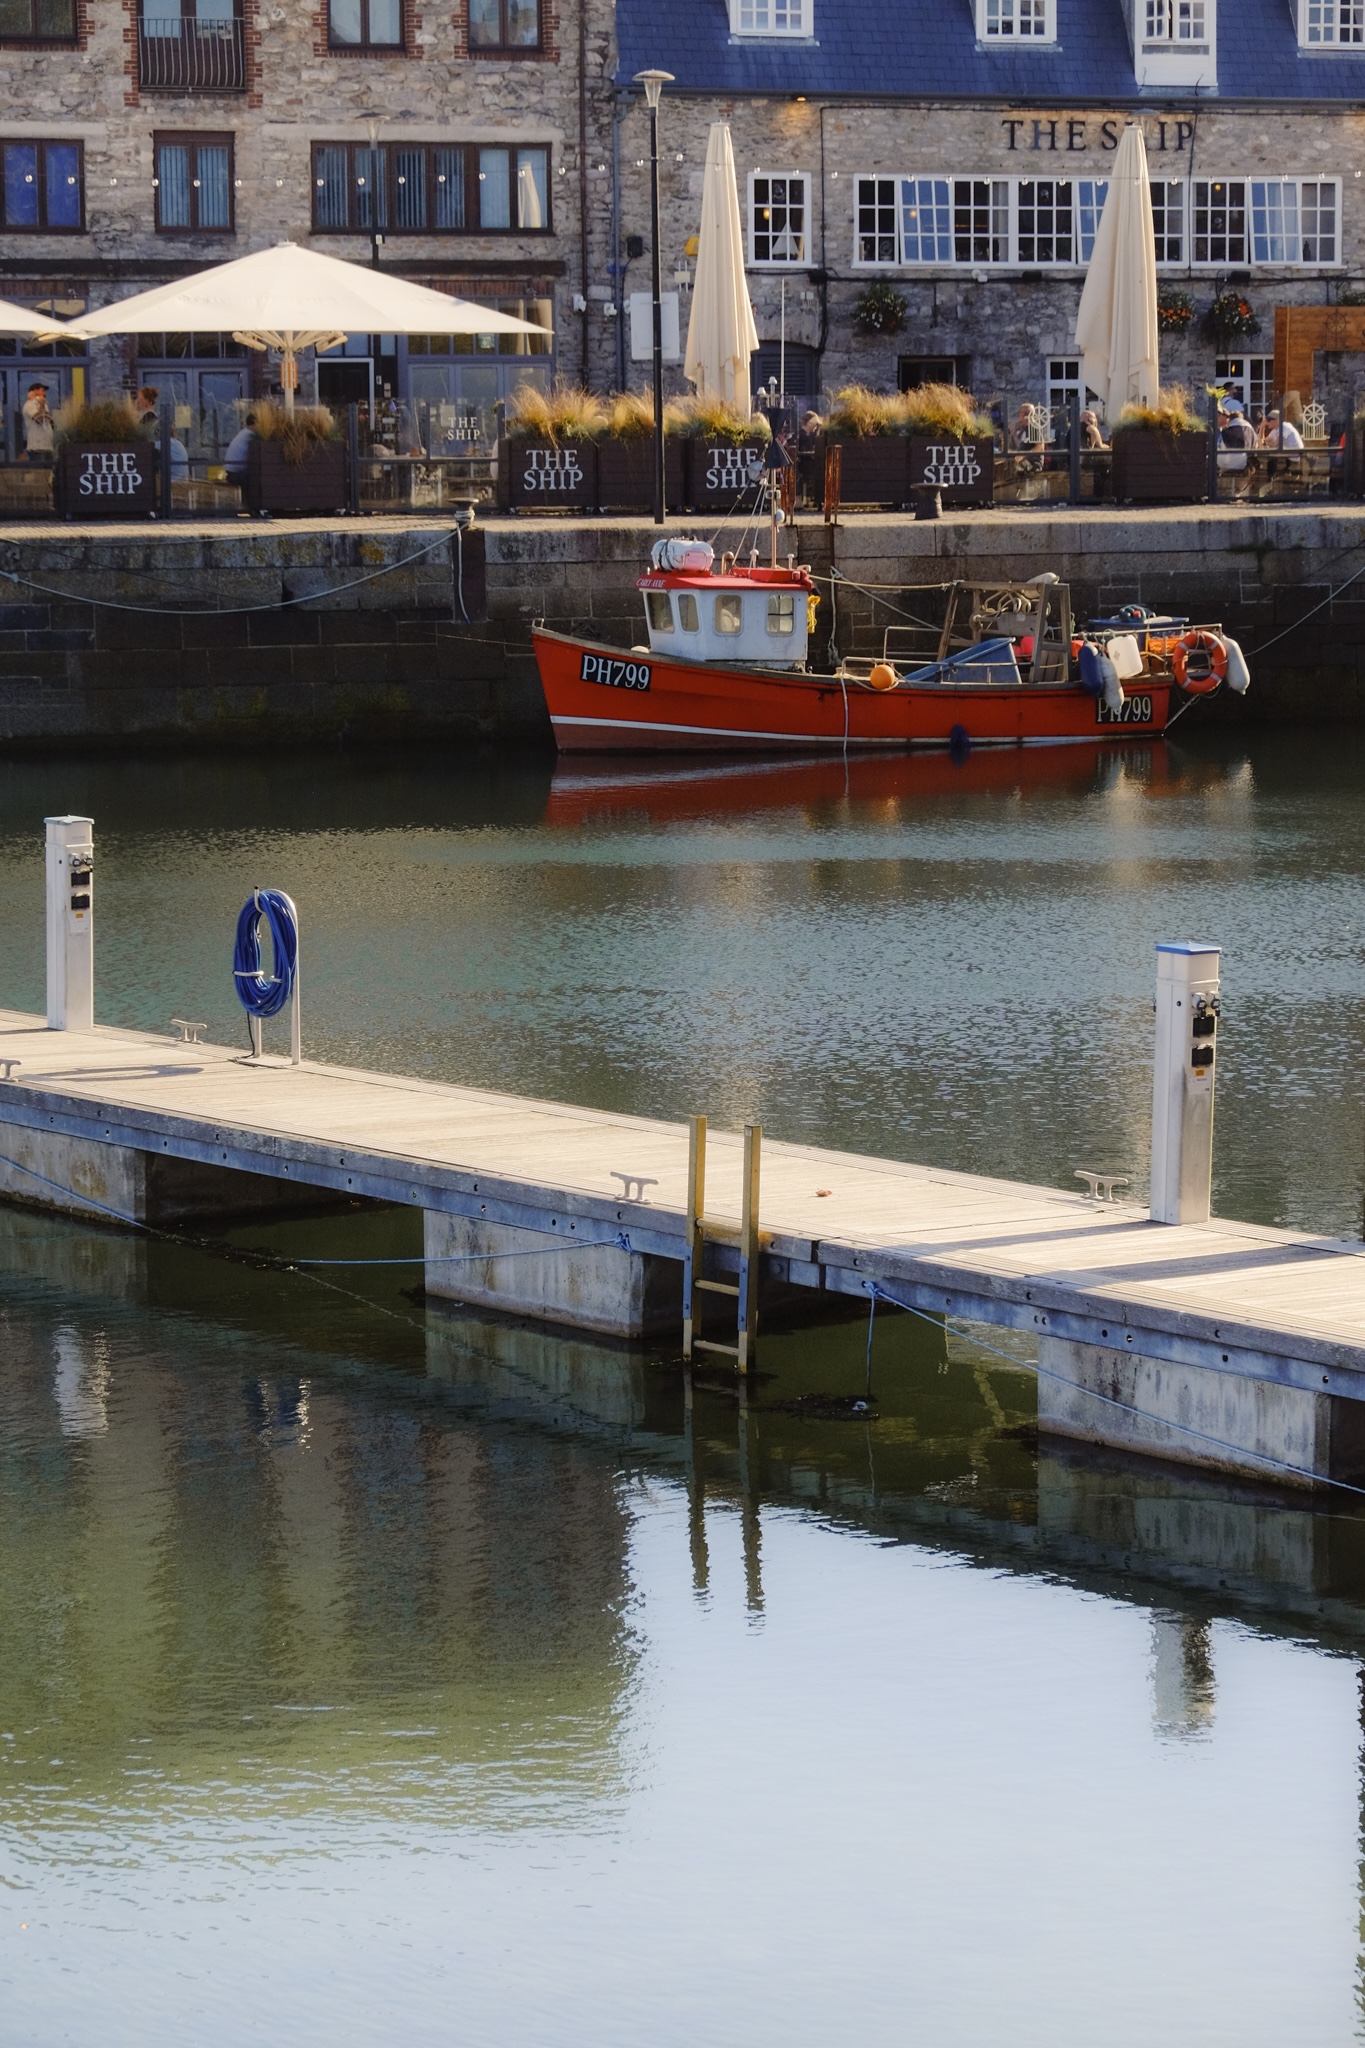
{"type": "Point", "coordinates": [1016, 21]}
{"type": "Point", "coordinates": [1175, 21]}
{"type": "Point", "coordinates": [1331, 24]}
{"type": "Point", "coordinates": [770, 17]}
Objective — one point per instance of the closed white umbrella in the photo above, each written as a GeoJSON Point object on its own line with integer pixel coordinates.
{"type": "Point", "coordinates": [288, 298]}
{"type": "Point", "coordinates": [721, 335]}
{"type": "Point", "coordinates": [1116, 327]}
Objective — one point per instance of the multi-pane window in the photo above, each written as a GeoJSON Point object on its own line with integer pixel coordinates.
{"type": "Point", "coordinates": [1331, 22]}
{"type": "Point", "coordinates": [1175, 21]}
{"type": "Point", "coordinates": [1168, 219]}
{"type": "Point", "coordinates": [981, 220]}
{"type": "Point", "coordinates": [926, 220]}
{"type": "Point", "coordinates": [769, 17]}
{"type": "Point", "coordinates": [1293, 220]}
{"type": "Point", "coordinates": [779, 207]}
{"type": "Point", "coordinates": [1220, 220]}
{"type": "Point", "coordinates": [1040, 222]}
{"type": "Point", "coordinates": [193, 184]}
{"type": "Point", "coordinates": [1001, 20]}
{"type": "Point", "coordinates": [42, 187]}
{"type": "Point", "coordinates": [504, 24]}
{"type": "Point", "coordinates": [365, 24]}
{"type": "Point", "coordinates": [430, 187]}
{"type": "Point", "coordinates": [37, 21]}
{"type": "Point", "coordinates": [1250, 378]}
{"type": "Point", "coordinates": [876, 221]}
{"type": "Point", "coordinates": [1045, 231]}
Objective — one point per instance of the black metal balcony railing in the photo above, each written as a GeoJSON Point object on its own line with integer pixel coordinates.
{"type": "Point", "coordinates": [181, 54]}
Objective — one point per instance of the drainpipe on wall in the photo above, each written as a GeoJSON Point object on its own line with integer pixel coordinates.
{"type": "Point", "coordinates": [584, 341]}
{"type": "Point", "coordinates": [618, 280]}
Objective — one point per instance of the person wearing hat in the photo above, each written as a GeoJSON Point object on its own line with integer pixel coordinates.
{"type": "Point", "coordinates": [1234, 434]}
{"type": "Point", "coordinates": [38, 440]}
{"type": "Point", "coordinates": [1281, 434]}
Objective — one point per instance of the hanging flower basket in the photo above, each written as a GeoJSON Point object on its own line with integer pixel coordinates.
{"type": "Point", "coordinates": [1174, 312]}
{"type": "Point", "coordinates": [1230, 318]}
{"type": "Point", "coordinates": [881, 309]}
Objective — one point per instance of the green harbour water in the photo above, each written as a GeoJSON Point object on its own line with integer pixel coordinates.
{"type": "Point", "coordinates": [377, 1672]}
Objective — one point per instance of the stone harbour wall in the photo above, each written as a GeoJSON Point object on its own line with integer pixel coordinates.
{"type": "Point", "coordinates": [240, 634]}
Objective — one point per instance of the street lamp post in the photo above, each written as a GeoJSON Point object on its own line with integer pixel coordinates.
{"type": "Point", "coordinates": [654, 83]}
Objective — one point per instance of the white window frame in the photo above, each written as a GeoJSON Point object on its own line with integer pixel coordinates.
{"type": "Point", "coordinates": [780, 263]}
{"type": "Point", "coordinates": [1266, 219]}
{"type": "Point", "coordinates": [1282, 218]}
{"type": "Point", "coordinates": [1175, 24]}
{"type": "Point", "coordinates": [1016, 24]}
{"type": "Point", "coordinates": [1332, 25]}
{"type": "Point", "coordinates": [771, 18]}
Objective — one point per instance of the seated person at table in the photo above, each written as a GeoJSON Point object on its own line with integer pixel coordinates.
{"type": "Point", "coordinates": [1281, 434]}
{"type": "Point", "coordinates": [1091, 436]}
{"type": "Point", "coordinates": [1234, 434]}
{"type": "Point", "coordinates": [234, 457]}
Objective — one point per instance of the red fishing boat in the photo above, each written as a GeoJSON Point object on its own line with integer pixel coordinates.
{"type": "Point", "coordinates": [726, 669]}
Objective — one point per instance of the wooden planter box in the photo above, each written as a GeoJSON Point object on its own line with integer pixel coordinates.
{"type": "Point", "coordinates": [533, 476]}
{"type": "Point", "coordinates": [875, 469]}
{"type": "Point", "coordinates": [723, 476]}
{"type": "Point", "coordinates": [1152, 468]}
{"type": "Point", "coordinates": [317, 484]}
{"type": "Point", "coordinates": [963, 472]}
{"type": "Point", "coordinates": [625, 474]}
{"type": "Point", "coordinates": [98, 480]}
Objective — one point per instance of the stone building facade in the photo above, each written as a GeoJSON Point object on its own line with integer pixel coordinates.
{"type": "Point", "coordinates": [143, 139]}
{"type": "Point", "coordinates": [907, 150]}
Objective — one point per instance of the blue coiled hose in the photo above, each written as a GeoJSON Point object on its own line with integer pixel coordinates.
{"type": "Point", "coordinates": [264, 995]}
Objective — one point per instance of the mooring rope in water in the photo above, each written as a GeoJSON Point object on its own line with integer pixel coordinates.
{"type": "Point", "coordinates": [281, 1262]}
{"type": "Point", "coordinates": [877, 1293]}
{"type": "Point", "coordinates": [233, 611]}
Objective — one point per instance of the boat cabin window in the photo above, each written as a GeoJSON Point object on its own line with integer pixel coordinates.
{"type": "Point", "coordinates": [688, 616]}
{"type": "Point", "coordinates": [730, 612]}
{"type": "Point", "coordinates": [781, 611]}
{"type": "Point", "coordinates": [660, 611]}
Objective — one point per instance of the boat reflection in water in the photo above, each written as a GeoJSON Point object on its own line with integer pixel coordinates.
{"type": "Point", "coordinates": [589, 789]}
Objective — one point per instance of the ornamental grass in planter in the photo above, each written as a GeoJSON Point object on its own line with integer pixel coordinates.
{"type": "Point", "coordinates": [724, 450]}
{"type": "Point", "coordinates": [106, 460]}
{"type": "Point", "coordinates": [547, 459]}
{"type": "Point", "coordinates": [296, 461]}
{"type": "Point", "coordinates": [1161, 451]}
{"type": "Point", "coordinates": [625, 455]}
{"type": "Point", "coordinates": [893, 441]}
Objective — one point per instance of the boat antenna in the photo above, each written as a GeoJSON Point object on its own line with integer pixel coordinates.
{"type": "Point", "coordinates": [774, 462]}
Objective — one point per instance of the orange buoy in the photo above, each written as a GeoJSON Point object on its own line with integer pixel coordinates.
{"type": "Point", "coordinates": [883, 677]}
{"type": "Point", "coordinates": [1199, 662]}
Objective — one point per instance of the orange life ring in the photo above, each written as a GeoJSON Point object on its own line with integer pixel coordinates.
{"type": "Point", "coordinates": [1199, 662]}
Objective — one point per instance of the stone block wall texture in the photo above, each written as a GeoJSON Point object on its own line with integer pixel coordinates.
{"type": "Point", "coordinates": [298, 92]}
{"type": "Point", "coordinates": [1008, 328]}
{"type": "Point", "coordinates": [212, 656]}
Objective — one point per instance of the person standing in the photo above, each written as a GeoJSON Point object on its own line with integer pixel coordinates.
{"type": "Point", "coordinates": [38, 427]}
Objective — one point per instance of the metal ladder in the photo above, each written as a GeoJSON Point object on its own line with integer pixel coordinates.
{"type": "Point", "coordinates": [702, 1229]}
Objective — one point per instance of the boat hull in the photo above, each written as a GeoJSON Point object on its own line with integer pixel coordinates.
{"type": "Point", "coordinates": [603, 700]}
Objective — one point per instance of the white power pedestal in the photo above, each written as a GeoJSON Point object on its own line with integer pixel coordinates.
{"type": "Point", "coordinates": [70, 924]}
{"type": "Point", "coordinates": [1182, 1083]}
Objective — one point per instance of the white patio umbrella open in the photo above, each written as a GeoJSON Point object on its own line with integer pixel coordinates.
{"type": "Point", "coordinates": [1116, 326]}
{"type": "Point", "coordinates": [721, 335]}
{"type": "Point", "coordinates": [23, 320]}
{"type": "Point", "coordinates": [289, 298]}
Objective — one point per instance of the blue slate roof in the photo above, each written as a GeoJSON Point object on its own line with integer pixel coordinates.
{"type": "Point", "coordinates": [927, 49]}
